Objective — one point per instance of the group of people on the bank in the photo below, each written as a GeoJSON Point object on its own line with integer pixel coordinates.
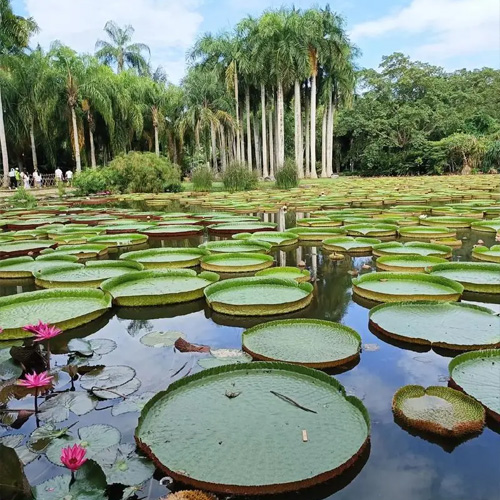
{"type": "Point", "coordinates": [20, 178]}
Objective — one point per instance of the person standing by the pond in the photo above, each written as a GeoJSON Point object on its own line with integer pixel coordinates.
{"type": "Point", "coordinates": [18, 177]}
{"type": "Point", "coordinates": [12, 178]}
{"type": "Point", "coordinates": [37, 178]}
{"type": "Point", "coordinates": [26, 180]}
{"type": "Point", "coordinates": [59, 175]}
{"type": "Point", "coordinates": [69, 177]}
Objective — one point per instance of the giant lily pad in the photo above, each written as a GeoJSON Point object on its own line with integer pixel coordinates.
{"type": "Point", "coordinates": [439, 410]}
{"type": "Point", "coordinates": [276, 239]}
{"type": "Point", "coordinates": [478, 374]}
{"type": "Point", "coordinates": [426, 232]}
{"type": "Point", "coordinates": [240, 227]}
{"type": "Point", "coordinates": [481, 253]}
{"type": "Point", "coordinates": [152, 288]}
{"type": "Point", "coordinates": [165, 258]}
{"type": "Point", "coordinates": [236, 262]}
{"type": "Point", "coordinates": [350, 244]}
{"type": "Point", "coordinates": [439, 324]}
{"type": "Point", "coordinates": [259, 296]}
{"type": "Point", "coordinates": [94, 438]}
{"type": "Point", "coordinates": [487, 226]}
{"type": "Point", "coordinates": [24, 267]}
{"type": "Point", "coordinates": [318, 222]}
{"type": "Point", "coordinates": [394, 287]}
{"type": "Point", "coordinates": [27, 247]}
{"type": "Point", "coordinates": [91, 275]}
{"type": "Point", "coordinates": [308, 342]}
{"type": "Point", "coordinates": [289, 273]}
{"type": "Point", "coordinates": [65, 309]}
{"type": "Point", "coordinates": [172, 231]}
{"type": "Point", "coordinates": [474, 276]}
{"type": "Point", "coordinates": [237, 246]}
{"type": "Point", "coordinates": [316, 233]}
{"type": "Point", "coordinates": [86, 251]}
{"type": "Point", "coordinates": [412, 248]}
{"type": "Point", "coordinates": [373, 230]}
{"type": "Point", "coordinates": [119, 240]}
{"type": "Point", "coordinates": [407, 263]}
{"type": "Point", "coordinates": [245, 407]}
{"type": "Point", "coordinates": [455, 222]}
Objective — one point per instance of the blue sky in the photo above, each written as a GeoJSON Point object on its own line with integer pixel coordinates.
{"type": "Point", "coordinates": [451, 33]}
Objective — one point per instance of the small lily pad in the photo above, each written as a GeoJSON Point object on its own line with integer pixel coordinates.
{"type": "Point", "coordinates": [88, 348]}
{"type": "Point", "coordinates": [58, 408]}
{"type": "Point", "coordinates": [129, 405]}
{"type": "Point", "coordinates": [108, 377]}
{"type": "Point", "coordinates": [42, 436]}
{"type": "Point", "coordinates": [161, 339]}
{"type": "Point", "coordinates": [117, 392]}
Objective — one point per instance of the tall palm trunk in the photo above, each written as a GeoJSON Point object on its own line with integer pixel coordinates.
{"type": "Point", "coordinates": [299, 156]}
{"type": "Point", "coordinates": [329, 137]}
{"type": "Point", "coordinates": [222, 141]}
{"type": "Point", "coordinates": [256, 142]}
{"type": "Point", "coordinates": [33, 147]}
{"type": "Point", "coordinates": [249, 128]}
{"type": "Point", "coordinates": [265, 171]}
{"type": "Point", "coordinates": [92, 149]}
{"type": "Point", "coordinates": [214, 146]}
{"type": "Point", "coordinates": [3, 144]}
{"type": "Point", "coordinates": [280, 126]}
{"type": "Point", "coordinates": [323, 144]}
{"type": "Point", "coordinates": [237, 106]}
{"type": "Point", "coordinates": [313, 126]}
{"type": "Point", "coordinates": [157, 142]}
{"type": "Point", "coordinates": [75, 139]}
{"type": "Point", "coordinates": [271, 145]}
{"type": "Point", "coordinates": [308, 138]}
{"type": "Point", "coordinates": [242, 136]}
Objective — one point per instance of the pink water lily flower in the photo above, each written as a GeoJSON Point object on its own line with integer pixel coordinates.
{"type": "Point", "coordinates": [43, 331]}
{"type": "Point", "coordinates": [73, 457]}
{"type": "Point", "coordinates": [36, 380]}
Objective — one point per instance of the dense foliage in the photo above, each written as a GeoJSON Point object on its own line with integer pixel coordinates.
{"type": "Point", "coordinates": [237, 177]}
{"type": "Point", "coordinates": [287, 176]}
{"type": "Point", "coordinates": [202, 178]}
{"type": "Point", "coordinates": [281, 86]}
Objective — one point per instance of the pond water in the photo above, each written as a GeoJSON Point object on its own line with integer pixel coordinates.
{"type": "Point", "coordinates": [399, 465]}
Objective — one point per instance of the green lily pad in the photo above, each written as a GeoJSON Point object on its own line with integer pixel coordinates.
{"type": "Point", "coordinates": [132, 404]}
{"type": "Point", "coordinates": [24, 267]}
{"type": "Point", "coordinates": [408, 263]}
{"type": "Point", "coordinates": [439, 410]}
{"type": "Point", "coordinates": [94, 438]}
{"type": "Point", "coordinates": [236, 262]}
{"type": "Point", "coordinates": [66, 308]}
{"type": "Point", "coordinates": [478, 375]}
{"type": "Point", "coordinates": [412, 248]}
{"type": "Point", "coordinates": [349, 244]}
{"type": "Point", "coordinates": [240, 227]}
{"type": "Point", "coordinates": [373, 230]}
{"type": "Point", "coordinates": [237, 246]}
{"type": "Point", "coordinates": [148, 288]}
{"type": "Point", "coordinates": [221, 357]}
{"type": "Point", "coordinates": [118, 392]}
{"type": "Point", "coordinates": [308, 342]}
{"type": "Point", "coordinates": [58, 408]}
{"type": "Point", "coordinates": [426, 232]}
{"type": "Point", "coordinates": [172, 231]}
{"type": "Point", "coordinates": [119, 240]}
{"type": "Point", "coordinates": [42, 436]}
{"type": "Point", "coordinates": [458, 222]}
{"type": "Point", "coordinates": [91, 347]}
{"type": "Point", "coordinates": [317, 233]}
{"type": "Point", "coordinates": [395, 287]}
{"type": "Point", "coordinates": [244, 407]}
{"type": "Point", "coordinates": [8, 367]}
{"type": "Point", "coordinates": [85, 251]}
{"type": "Point", "coordinates": [121, 465]}
{"type": "Point", "coordinates": [91, 275]}
{"type": "Point", "coordinates": [290, 273]}
{"type": "Point", "coordinates": [449, 325]}
{"type": "Point", "coordinates": [484, 253]}
{"type": "Point", "coordinates": [258, 296]}
{"type": "Point", "coordinates": [161, 258]}
{"type": "Point", "coordinates": [24, 247]}
{"type": "Point", "coordinates": [487, 226]}
{"type": "Point", "coordinates": [474, 276]}
{"type": "Point", "coordinates": [89, 484]}
{"type": "Point", "coordinates": [161, 339]}
{"type": "Point", "coordinates": [276, 239]}
{"type": "Point", "coordinates": [108, 377]}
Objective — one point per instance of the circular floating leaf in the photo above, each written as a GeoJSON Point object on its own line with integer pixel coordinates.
{"type": "Point", "coordinates": [236, 262]}
{"type": "Point", "coordinates": [290, 273]}
{"type": "Point", "coordinates": [407, 263]}
{"type": "Point", "coordinates": [316, 233]}
{"type": "Point", "coordinates": [119, 392]}
{"type": "Point", "coordinates": [152, 288]}
{"type": "Point", "coordinates": [42, 436]}
{"type": "Point", "coordinates": [222, 357]}
{"type": "Point", "coordinates": [161, 339]}
{"type": "Point", "coordinates": [91, 347]}
{"type": "Point", "coordinates": [478, 374]}
{"type": "Point", "coordinates": [487, 226]}
{"type": "Point", "coordinates": [91, 275]}
{"type": "Point", "coordinates": [371, 229]}
{"type": "Point", "coordinates": [132, 404]}
{"type": "Point", "coordinates": [86, 251]}
{"type": "Point", "coordinates": [275, 238]}
{"type": "Point", "coordinates": [237, 246]}
{"type": "Point", "coordinates": [108, 377]}
{"type": "Point", "coordinates": [412, 248]}
{"type": "Point", "coordinates": [308, 342]}
{"type": "Point", "coordinates": [24, 267]}
{"type": "Point", "coordinates": [439, 410]}
{"type": "Point", "coordinates": [19, 248]}
{"type": "Point", "coordinates": [119, 240]}
{"type": "Point", "coordinates": [349, 244]}
{"type": "Point", "coordinates": [93, 438]}
{"type": "Point", "coordinates": [395, 287]}
{"type": "Point", "coordinates": [451, 325]}
{"type": "Point", "coordinates": [58, 408]}
{"type": "Point", "coordinates": [426, 232]}
{"type": "Point", "coordinates": [65, 309]}
{"type": "Point", "coordinates": [258, 296]}
{"type": "Point", "coordinates": [240, 227]}
{"type": "Point", "coordinates": [172, 231]}
{"type": "Point", "coordinates": [244, 407]}
{"type": "Point", "coordinates": [161, 258]}
{"type": "Point", "coordinates": [458, 222]}
{"type": "Point", "coordinates": [474, 276]}
{"type": "Point", "coordinates": [482, 253]}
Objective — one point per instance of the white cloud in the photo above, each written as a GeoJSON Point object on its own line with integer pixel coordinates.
{"type": "Point", "coordinates": [169, 27]}
{"type": "Point", "coordinates": [448, 28]}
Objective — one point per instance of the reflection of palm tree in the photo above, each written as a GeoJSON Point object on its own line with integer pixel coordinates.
{"type": "Point", "coordinates": [137, 326]}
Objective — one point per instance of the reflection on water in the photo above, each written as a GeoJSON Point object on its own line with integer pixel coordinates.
{"type": "Point", "coordinates": [399, 465]}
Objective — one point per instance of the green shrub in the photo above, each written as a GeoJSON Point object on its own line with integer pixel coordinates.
{"type": "Point", "coordinates": [23, 199]}
{"type": "Point", "coordinates": [202, 178]}
{"type": "Point", "coordinates": [287, 176]}
{"type": "Point", "coordinates": [144, 173]}
{"type": "Point", "coordinates": [237, 177]}
{"type": "Point", "coordinates": [93, 180]}
{"type": "Point", "coordinates": [491, 158]}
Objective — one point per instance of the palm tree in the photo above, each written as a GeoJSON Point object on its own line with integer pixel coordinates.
{"type": "Point", "coordinates": [120, 51]}
{"type": "Point", "coordinates": [15, 32]}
